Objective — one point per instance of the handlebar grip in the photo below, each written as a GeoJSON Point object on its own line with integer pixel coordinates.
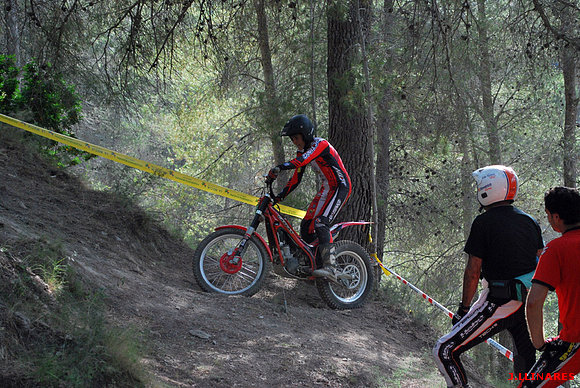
{"type": "Point", "coordinates": [269, 182]}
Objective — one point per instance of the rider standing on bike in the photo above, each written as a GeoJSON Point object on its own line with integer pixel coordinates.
{"type": "Point", "coordinates": [334, 191]}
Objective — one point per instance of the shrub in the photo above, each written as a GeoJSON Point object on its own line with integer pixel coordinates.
{"type": "Point", "coordinates": [50, 100]}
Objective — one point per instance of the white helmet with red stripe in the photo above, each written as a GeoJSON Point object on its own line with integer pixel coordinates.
{"type": "Point", "coordinates": [495, 183]}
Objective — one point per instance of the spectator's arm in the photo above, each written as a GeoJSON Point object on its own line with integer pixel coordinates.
{"type": "Point", "coordinates": [470, 279]}
{"type": "Point", "coordinates": [535, 313]}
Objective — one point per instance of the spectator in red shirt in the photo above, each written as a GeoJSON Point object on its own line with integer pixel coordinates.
{"type": "Point", "coordinates": [559, 270]}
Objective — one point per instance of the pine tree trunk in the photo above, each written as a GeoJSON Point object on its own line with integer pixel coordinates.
{"type": "Point", "coordinates": [349, 129]}
{"type": "Point", "coordinates": [569, 64]}
{"type": "Point", "coordinates": [12, 31]}
{"type": "Point", "coordinates": [489, 118]}
{"type": "Point", "coordinates": [467, 198]}
{"type": "Point", "coordinates": [384, 124]}
{"type": "Point", "coordinates": [569, 58]}
{"type": "Point", "coordinates": [270, 114]}
{"type": "Point", "coordinates": [313, 116]}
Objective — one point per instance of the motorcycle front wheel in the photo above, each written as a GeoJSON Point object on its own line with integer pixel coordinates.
{"type": "Point", "coordinates": [352, 292]}
{"type": "Point", "coordinates": [213, 268]}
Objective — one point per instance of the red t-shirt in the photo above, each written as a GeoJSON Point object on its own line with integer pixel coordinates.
{"type": "Point", "coordinates": [559, 269]}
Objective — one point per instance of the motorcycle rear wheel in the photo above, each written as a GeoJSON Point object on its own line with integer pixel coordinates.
{"type": "Point", "coordinates": [213, 273]}
{"type": "Point", "coordinates": [353, 260]}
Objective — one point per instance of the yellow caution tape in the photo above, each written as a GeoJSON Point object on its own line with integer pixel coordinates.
{"type": "Point", "coordinates": [386, 271]}
{"type": "Point", "coordinates": [145, 166]}
{"type": "Point", "coordinates": [374, 256]}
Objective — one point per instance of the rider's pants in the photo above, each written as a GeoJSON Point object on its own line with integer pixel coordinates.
{"type": "Point", "coordinates": [485, 319]}
{"type": "Point", "coordinates": [321, 212]}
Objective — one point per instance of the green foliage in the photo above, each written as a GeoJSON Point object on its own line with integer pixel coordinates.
{"type": "Point", "coordinates": [76, 346]}
{"type": "Point", "coordinates": [53, 275]}
{"type": "Point", "coordinates": [44, 94]}
{"type": "Point", "coordinates": [54, 103]}
{"type": "Point", "coordinates": [8, 84]}
{"type": "Point", "coordinates": [92, 353]}
{"type": "Point", "coordinates": [46, 260]}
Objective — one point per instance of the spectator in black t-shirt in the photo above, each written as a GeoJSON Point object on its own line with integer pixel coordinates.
{"type": "Point", "coordinates": [503, 246]}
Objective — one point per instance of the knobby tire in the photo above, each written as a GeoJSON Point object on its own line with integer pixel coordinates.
{"type": "Point", "coordinates": [354, 259]}
{"type": "Point", "coordinates": [247, 281]}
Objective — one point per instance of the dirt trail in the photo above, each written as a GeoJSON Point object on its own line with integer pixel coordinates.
{"type": "Point", "coordinates": [283, 336]}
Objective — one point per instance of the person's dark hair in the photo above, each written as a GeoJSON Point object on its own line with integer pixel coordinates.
{"type": "Point", "coordinates": [565, 201]}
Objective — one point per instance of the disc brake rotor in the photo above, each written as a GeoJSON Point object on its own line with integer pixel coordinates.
{"type": "Point", "coordinates": [354, 280]}
{"type": "Point", "coordinates": [230, 263]}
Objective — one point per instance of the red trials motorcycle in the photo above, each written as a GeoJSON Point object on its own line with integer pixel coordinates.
{"type": "Point", "coordinates": [234, 260]}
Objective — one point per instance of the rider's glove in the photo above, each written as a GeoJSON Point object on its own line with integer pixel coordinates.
{"type": "Point", "coordinates": [272, 174]}
{"type": "Point", "coordinates": [461, 311]}
{"type": "Point", "coordinates": [554, 344]}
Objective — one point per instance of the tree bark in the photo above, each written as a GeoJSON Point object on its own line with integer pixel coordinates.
{"type": "Point", "coordinates": [312, 65]}
{"type": "Point", "coordinates": [384, 124]}
{"type": "Point", "coordinates": [494, 151]}
{"type": "Point", "coordinates": [349, 129]}
{"type": "Point", "coordinates": [569, 58]}
{"type": "Point", "coordinates": [467, 197]}
{"type": "Point", "coordinates": [270, 113]}
{"type": "Point", "coordinates": [12, 31]}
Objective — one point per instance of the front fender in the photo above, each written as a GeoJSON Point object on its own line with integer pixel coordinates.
{"type": "Point", "coordinates": [255, 234]}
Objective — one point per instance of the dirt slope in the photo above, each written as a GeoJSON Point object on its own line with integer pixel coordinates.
{"type": "Point", "coordinates": [283, 336]}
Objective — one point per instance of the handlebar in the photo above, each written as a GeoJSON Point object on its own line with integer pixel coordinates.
{"type": "Point", "coordinates": [269, 187]}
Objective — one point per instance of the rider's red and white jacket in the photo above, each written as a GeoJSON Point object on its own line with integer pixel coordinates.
{"type": "Point", "coordinates": [328, 166]}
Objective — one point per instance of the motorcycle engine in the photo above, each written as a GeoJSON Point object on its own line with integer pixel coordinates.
{"type": "Point", "coordinates": [292, 265]}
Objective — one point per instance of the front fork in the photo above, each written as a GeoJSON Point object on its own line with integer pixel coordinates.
{"type": "Point", "coordinates": [232, 261]}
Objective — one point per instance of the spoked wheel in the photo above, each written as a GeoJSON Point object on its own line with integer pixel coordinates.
{"type": "Point", "coordinates": [218, 267]}
{"type": "Point", "coordinates": [356, 282]}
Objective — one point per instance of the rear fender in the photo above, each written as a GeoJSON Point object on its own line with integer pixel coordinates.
{"type": "Point", "coordinates": [255, 234]}
{"type": "Point", "coordinates": [336, 228]}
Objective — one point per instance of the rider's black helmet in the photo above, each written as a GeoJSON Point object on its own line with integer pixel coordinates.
{"type": "Point", "coordinates": [299, 124]}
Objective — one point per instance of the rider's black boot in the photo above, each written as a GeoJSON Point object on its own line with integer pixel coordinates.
{"type": "Point", "coordinates": [328, 270]}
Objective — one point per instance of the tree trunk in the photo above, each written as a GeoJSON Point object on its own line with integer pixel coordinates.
{"type": "Point", "coordinates": [349, 129]}
{"type": "Point", "coordinates": [12, 31]}
{"type": "Point", "coordinates": [270, 114]}
{"type": "Point", "coordinates": [569, 64]}
{"type": "Point", "coordinates": [569, 58]}
{"type": "Point", "coordinates": [367, 92]}
{"type": "Point", "coordinates": [384, 124]}
{"type": "Point", "coordinates": [484, 75]}
{"type": "Point", "coordinates": [467, 197]}
{"type": "Point", "coordinates": [312, 65]}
